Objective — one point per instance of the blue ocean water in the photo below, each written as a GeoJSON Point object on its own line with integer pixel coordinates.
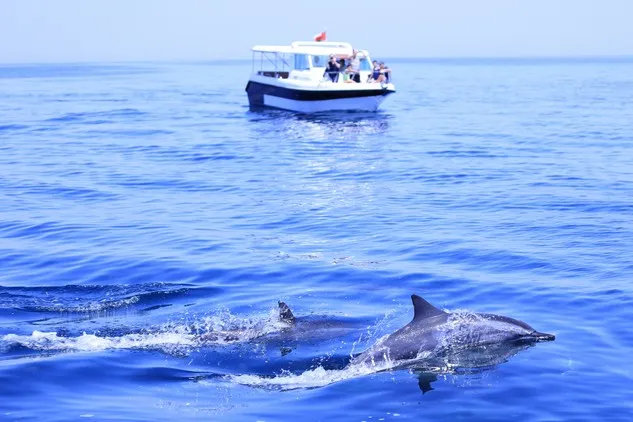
{"type": "Point", "coordinates": [144, 206]}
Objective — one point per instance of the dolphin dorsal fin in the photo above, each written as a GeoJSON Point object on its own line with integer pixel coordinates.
{"type": "Point", "coordinates": [285, 314]}
{"type": "Point", "coordinates": [423, 309]}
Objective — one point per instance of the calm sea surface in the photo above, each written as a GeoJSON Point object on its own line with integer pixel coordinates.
{"type": "Point", "coordinates": [144, 207]}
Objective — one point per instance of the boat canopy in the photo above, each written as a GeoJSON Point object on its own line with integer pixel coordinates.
{"type": "Point", "coordinates": [315, 48]}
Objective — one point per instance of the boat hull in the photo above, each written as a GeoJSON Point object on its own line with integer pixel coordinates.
{"type": "Point", "coordinates": [325, 97]}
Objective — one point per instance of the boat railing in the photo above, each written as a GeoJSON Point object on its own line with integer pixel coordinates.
{"type": "Point", "coordinates": [343, 76]}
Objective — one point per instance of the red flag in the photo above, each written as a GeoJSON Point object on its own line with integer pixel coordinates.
{"type": "Point", "coordinates": [320, 36]}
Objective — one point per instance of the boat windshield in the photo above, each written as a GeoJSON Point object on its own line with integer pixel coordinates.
{"type": "Point", "coordinates": [364, 64]}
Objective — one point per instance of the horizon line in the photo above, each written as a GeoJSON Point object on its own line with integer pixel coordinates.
{"type": "Point", "coordinates": [394, 58]}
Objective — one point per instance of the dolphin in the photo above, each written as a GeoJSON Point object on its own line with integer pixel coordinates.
{"type": "Point", "coordinates": [436, 335]}
{"type": "Point", "coordinates": [287, 329]}
{"type": "Point", "coordinates": [315, 327]}
{"type": "Point", "coordinates": [433, 339]}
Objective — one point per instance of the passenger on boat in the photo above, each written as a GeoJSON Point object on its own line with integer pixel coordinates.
{"type": "Point", "coordinates": [380, 72]}
{"type": "Point", "coordinates": [385, 71]}
{"type": "Point", "coordinates": [375, 74]}
{"type": "Point", "coordinates": [333, 68]}
{"type": "Point", "coordinates": [355, 63]}
{"type": "Point", "coordinates": [349, 75]}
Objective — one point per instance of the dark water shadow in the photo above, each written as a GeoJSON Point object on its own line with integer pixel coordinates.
{"type": "Point", "coordinates": [255, 113]}
{"type": "Point", "coordinates": [318, 125]}
{"type": "Point", "coordinates": [468, 361]}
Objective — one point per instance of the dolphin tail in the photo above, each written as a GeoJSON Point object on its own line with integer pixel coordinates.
{"type": "Point", "coordinates": [285, 314]}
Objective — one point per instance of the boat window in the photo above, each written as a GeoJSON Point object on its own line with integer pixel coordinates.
{"type": "Point", "coordinates": [365, 64]}
{"type": "Point", "coordinates": [319, 61]}
{"type": "Point", "coordinates": [301, 62]}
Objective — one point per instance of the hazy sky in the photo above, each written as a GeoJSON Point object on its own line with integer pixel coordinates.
{"type": "Point", "coordinates": [114, 30]}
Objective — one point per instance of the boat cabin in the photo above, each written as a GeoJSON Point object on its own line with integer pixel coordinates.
{"type": "Point", "coordinates": [305, 60]}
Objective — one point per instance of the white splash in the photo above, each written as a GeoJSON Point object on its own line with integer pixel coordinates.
{"type": "Point", "coordinates": [173, 338]}
{"type": "Point", "coordinates": [51, 341]}
{"type": "Point", "coordinates": [225, 328]}
{"type": "Point", "coordinates": [313, 378]}
{"type": "Point", "coordinates": [319, 376]}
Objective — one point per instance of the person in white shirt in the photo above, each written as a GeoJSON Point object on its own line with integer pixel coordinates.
{"type": "Point", "coordinates": [355, 63]}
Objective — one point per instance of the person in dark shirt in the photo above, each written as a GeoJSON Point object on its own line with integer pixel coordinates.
{"type": "Point", "coordinates": [385, 72]}
{"type": "Point", "coordinates": [375, 74]}
{"type": "Point", "coordinates": [333, 69]}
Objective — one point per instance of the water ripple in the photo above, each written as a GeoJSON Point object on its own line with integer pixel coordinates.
{"type": "Point", "coordinates": [145, 206]}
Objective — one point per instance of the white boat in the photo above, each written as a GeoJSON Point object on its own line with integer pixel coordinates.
{"type": "Point", "coordinates": [293, 78]}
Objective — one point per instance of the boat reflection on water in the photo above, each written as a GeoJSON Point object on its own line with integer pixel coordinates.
{"type": "Point", "coordinates": [326, 125]}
